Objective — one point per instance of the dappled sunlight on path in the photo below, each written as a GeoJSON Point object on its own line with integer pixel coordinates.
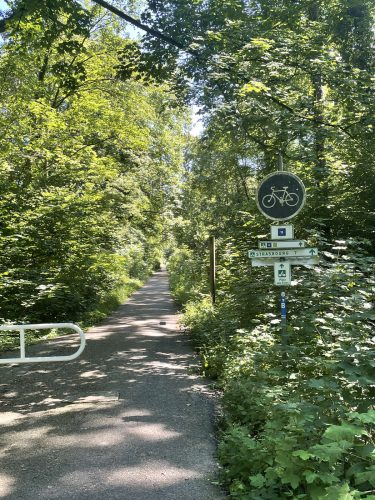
{"type": "Point", "coordinates": [129, 419]}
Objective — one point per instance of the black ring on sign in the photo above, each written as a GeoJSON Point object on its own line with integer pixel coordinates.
{"type": "Point", "coordinates": [280, 195]}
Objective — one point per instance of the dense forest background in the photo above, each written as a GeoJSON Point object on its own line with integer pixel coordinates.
{"type": "Point", "coordinates": [89, 165]}
{"type": "Point", "coordinates": [99, 181]}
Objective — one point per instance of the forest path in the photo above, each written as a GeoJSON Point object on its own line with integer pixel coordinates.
{"type": "Point", "coordinates": [130, 419]}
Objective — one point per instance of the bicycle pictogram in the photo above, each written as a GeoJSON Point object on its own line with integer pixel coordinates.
{"type": "Point", "coordinates": [280, 195]}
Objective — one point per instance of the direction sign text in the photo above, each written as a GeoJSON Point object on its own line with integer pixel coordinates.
{"type": "Point", "coordinates": [297, 252]}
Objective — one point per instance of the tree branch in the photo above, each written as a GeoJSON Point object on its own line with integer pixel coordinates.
{"type": "Point", "coordinates": [138, 24]}
{"type": "Point", "coordinates": [120, 190]}
{"type": "Point", "coordinates": [96, 143]}
{"type": "Point", "coordinates": [308, 118]}
{"type": "Point", "coordinates": [161, 36]}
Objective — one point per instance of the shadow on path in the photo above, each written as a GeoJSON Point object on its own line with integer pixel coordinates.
{"type": "Point", "coordinates": [129, 419]}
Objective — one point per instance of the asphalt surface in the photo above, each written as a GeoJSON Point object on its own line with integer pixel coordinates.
{"type": "Point", "coordinates": [130, 419]}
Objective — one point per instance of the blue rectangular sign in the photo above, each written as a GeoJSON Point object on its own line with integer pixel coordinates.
{"type": "Point", "coordinates": [283, 308]}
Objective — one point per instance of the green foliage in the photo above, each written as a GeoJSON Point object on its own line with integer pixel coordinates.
{"type": "Point", "coordinates": [89, 167]}
{"type": "Point", "coordinates": [89, 160]}
{"type": "Point", "coordinates": [297, 420]}
{"type": "Point", "coordinates": [186, 276]}
{"type": "Point", "coordinates": [289, 77]}
{"type": "Point", "coordinates": [298, 423]}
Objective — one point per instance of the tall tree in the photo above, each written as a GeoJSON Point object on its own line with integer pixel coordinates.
{"type": "Point", "coordinates": [88, 167]}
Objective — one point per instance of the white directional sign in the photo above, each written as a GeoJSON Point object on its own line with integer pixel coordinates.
{"type": "Point", "coordinates": [282, 273]}
{"type": "Point", "coordinates": [284, 232]}
{"type": "Point", "coordinates": [296, 261]}
{"type": "Point", "coordinates": [292, 252]}
{"type": "Point", "coordinates": [282, 244]}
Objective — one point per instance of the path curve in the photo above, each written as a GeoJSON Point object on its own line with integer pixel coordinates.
{"type": "Point", "coordinates": [130, 419]}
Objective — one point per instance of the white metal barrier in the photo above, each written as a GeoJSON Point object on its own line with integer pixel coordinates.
{"type": "Point", "coordinates": [41, 359]}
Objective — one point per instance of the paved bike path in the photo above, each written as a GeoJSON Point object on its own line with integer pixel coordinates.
{"type": "Point", "coordinates": [130, 419]}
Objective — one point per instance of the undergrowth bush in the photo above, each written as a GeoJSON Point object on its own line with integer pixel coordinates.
{"type": "Point", "coordinates": [298, 420]}
{"type": "Point", "coordinates": [85, 295]}
{"type": "Point", "coordinates": [186, 278]}
{"type": "Point", "coordinates": [99, 310]}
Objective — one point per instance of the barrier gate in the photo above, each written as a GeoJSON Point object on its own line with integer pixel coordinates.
{"type": "Point", "coordinates": [41, 359]}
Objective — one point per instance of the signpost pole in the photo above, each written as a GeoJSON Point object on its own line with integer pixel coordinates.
{"type": "Point", "coordinates": [283, 321]}
{"type": "Point", "coordinates": [212, 268]}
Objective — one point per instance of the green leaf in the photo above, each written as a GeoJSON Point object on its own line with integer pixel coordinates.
{"type": "Point", "coordinates": [367, 476]}
{"type": "Point", "coordinates": [290, 478]}
{"type": "Point", "coordinates": [257, 481]}
{"type": "Point", "coordinates": [339, 492]}
{"type": "Point", "coordinates": [343, 432]}
{"type": "Point", "coordinates": [303, 454]}
{"type": "Point", "coordinates": [310, 476]}
{"type": "Point", "coordinates": [253, 86]}
{"type": "Point", "coordinates": [330, 452]}
{"type": "Point", "coordinates": [365, 418]}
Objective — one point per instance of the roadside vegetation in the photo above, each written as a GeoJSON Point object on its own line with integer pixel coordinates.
{"type": "Point", "coordinates": [298, 422]}
{"type": "Point", "coordinates": [89, 164]}
{"type": "Point", "coordinates": [92, 145]}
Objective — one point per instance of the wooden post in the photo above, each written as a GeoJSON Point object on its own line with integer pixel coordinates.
{"type": "Point", "coordinates": [212, 268]}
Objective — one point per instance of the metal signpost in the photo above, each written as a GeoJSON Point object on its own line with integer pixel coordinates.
{"type": "Point", "coordinates": [280, 196]}
{"type": "Point", "coordinates": [283, 319]}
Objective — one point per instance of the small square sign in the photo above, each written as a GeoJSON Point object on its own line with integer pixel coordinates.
{"type": "Point", "coordinates": [282, 273]}
{"type": "Point", "coordinates": [282, 232]}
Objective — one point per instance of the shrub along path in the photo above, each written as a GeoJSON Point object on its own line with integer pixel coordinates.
{"type": "Point", "coordinates": [129, 419]}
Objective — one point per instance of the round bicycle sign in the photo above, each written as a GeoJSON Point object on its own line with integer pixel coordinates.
{"type": "Point", "coordinates": [281, 195]}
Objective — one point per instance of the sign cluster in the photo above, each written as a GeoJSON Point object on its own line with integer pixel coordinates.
{"type": "Point", "coordinates": [282, 252]}
{"type": "Point", "coordinates": [280, 196]}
